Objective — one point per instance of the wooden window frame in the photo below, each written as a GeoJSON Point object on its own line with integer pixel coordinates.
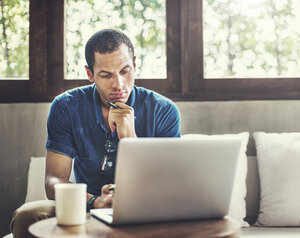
{"type": "Point", "coordinates": [185, 81]}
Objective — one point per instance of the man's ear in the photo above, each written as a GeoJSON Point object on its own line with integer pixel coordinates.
{"type": "Point", "coordinates": [134, 62]}
{"type": "Point", "coordinates": [89, 74]}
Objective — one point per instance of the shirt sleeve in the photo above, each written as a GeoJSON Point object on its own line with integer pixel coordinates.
{"type": "Point", "coordinates": [168, 121]}
{"type": "Point", "coordinates": [60, 138]}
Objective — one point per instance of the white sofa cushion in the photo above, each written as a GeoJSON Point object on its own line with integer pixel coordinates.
{"type": "Point", "coordinates": [278, 156]}
{"type": "Point", "coordinates": [238, 206]}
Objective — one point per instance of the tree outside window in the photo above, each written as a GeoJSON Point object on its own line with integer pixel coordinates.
{"type": "Point", "coordinates": [14, 39]}
{"type": "Point", "coordinates": [251, 38]}
{"type": "Point", "coordinates": [143, 21]}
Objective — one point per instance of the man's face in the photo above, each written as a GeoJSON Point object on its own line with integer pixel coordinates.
{"type": "Point", "coordinates": [114, 75]}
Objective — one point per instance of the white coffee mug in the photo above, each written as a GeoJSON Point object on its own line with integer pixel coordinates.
{"type": "Point", "coordinates": [70, 203]}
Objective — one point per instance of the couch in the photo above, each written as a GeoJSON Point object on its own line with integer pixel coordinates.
{"type": "Point", "coordinates": [230, 117]}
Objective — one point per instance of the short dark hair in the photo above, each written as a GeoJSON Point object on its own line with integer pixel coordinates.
{"type": "Point", "coordinates": [105, 41]}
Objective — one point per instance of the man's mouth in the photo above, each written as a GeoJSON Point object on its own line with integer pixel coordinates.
{"type": "Point", "coordinates": [117, 96]}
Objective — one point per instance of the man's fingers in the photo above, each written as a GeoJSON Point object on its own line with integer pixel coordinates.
{"type": "Point", "coordinates": [105, 189]}
{"type": "Point", "coordinates": [119, 114]}
{"type": "Point", "coordinates": [112, 126]}
{"type": "Point", "coordinates": [119, 117]}
{"type": "Point", "coordinates": [122, 105]}
{"type": "Point", "coordinates": [106, 198]}
{"type": "Point", "coordinates": [107, 201]}
{"type": "Point", "coordinates": [122, 120]}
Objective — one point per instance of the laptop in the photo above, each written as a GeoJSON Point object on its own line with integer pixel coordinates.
{"type": "Point", "coordinates": [171, 179]}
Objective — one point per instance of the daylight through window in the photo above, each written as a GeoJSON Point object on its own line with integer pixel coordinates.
{"type": "Point", "coordinates": [14, 39]}
{"type": "Point", "coordinates": [251, 38]}
{"type": "Point", "coordinates": [143, 21]}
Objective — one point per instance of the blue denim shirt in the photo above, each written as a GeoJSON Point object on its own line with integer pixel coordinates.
{"type": "Point", "coordinates": [76, 128]}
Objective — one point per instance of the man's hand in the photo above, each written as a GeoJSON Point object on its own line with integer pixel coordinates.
{"type": "Point", "coordinates": [106, 198]}
{"type": "Point", "coordinates": [123, 120]}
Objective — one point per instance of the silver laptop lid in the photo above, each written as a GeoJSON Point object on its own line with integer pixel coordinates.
{"type": "Point", "coordinates": [165, 179]}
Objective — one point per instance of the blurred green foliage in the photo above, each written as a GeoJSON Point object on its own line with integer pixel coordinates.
{"type": "Point", "coordinates": [143, 21]}
{"type": "Point", "coordinates": [244, 38]}
{"type": "Point", "coordinates": [14, 38]}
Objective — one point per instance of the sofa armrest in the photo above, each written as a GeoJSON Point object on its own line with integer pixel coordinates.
{"type": "Point", "coordinates": [35, 181]}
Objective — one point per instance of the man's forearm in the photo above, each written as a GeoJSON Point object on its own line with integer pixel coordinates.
{"type": "Point", "coordinates": [49, 186]}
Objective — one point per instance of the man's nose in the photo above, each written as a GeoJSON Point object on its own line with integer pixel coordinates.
{"type": "Point", "coordinates": [118, 81]}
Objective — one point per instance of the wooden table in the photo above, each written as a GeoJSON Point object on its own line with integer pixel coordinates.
{"type": "Point", "coordinates": [226, 227]}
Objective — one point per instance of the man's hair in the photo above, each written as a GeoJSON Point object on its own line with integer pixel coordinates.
{"type": "Point", "coordinates": [105, 41]}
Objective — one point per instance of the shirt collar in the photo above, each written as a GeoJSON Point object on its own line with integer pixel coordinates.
{"type": "Point", "coordinates": [132, 96]}
{"type": "Point", "coordinates": [97, 105]}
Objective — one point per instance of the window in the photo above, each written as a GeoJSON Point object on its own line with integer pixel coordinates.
{"type": "Point", "coordinates": [196, 85]}
{"type": "Point", "coordinates": [246, 38]}
{"type": "Point", "coordinates": [143, 21]}
{"type": "Point", "coordinates": [195, 70]}
{"type": "Point", "coordinates": [14, 40]}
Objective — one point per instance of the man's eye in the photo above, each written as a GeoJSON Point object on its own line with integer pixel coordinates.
{"type": "Point", "coordinates": [125, 71]}
{"type": "Point", "coordinates": [105, 76]}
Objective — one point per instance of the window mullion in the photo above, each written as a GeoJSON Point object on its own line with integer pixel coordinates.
{"type": "Point", "coordinates": [38, 47]}
{"type": "Point", "coordinates": [55, 46]}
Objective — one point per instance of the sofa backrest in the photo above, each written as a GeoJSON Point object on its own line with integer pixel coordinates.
{"type": "Point", "coordinates": [238, 116]}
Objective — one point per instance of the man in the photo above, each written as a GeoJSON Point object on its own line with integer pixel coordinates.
{"type": "Point", "coordinates": [82, 124]}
